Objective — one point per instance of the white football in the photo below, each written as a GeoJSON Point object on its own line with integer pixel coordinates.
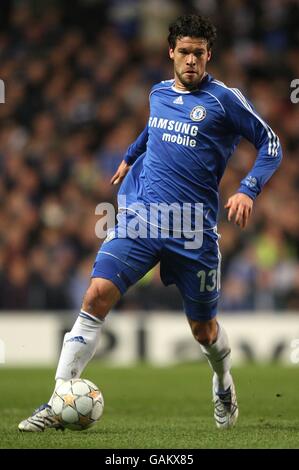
{"type": "Point", "coordinates": [78, 404]}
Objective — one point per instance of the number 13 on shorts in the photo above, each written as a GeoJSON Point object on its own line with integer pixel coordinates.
{"type": "Point", "coordinates": [209, 280]}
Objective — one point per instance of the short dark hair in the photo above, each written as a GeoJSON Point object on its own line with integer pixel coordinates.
{"type": "Point", "coordinates": [194, 26]}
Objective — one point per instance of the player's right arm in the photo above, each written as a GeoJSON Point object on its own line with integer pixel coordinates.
{"type": "Point", "coordinates": [134, 151]}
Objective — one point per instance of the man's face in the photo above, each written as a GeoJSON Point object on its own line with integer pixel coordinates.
{"type": "Point", "coordinates": [190, 57]}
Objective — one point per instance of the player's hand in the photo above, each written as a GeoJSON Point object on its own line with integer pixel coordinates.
{"type": "Point", "coordinates": [121, 172]}
{"type": "Point", "coordinates": [239, 207]}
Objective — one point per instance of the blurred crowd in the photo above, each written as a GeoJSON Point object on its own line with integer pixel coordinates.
{"type": "Point", "coordinates": [77, 77]}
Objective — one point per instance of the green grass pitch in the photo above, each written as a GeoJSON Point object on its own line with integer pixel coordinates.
{"type": "Point", "coordinates": [170, 408]}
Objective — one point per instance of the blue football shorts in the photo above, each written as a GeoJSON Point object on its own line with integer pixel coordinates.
{"type": "Point", "coordinates": [196, 272]}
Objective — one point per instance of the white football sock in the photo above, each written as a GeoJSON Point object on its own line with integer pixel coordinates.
{"type": "Point", "coordinates": [219, 357]}
{"type": "Point", "coordinates": [79, 346]}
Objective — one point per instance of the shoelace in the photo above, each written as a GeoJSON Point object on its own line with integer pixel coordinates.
{"type": "Point", "coordinates": [41, 408]}
{"type": "Point", "coordinates": [226, 397]}
{"type": "Point", "coordinates": [50, 420]}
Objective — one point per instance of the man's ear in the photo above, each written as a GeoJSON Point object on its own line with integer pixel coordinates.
{"type": "Point", "coordinates": [171, 53]}
{"type": "Point", "coordinates": [209, 55]}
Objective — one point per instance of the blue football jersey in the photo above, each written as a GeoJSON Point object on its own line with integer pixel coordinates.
{"type": "Point", "coordinates": [182, 153]}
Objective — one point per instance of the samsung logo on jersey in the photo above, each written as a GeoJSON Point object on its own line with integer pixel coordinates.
{"type": "Point", "coordinates": [170, 125]}
{"type": "Point", "coordinates": [184, 131]}
{"type": "Point", "coordinates": [179, 139]}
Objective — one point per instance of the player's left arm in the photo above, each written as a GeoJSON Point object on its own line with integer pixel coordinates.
{"type": "Point", "coordinates": [244, 120]}
{"type": "Point", "coordinates": [239, 207]}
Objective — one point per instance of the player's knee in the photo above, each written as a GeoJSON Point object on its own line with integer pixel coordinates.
{"type": "Point", "coordinates": [100, 297]}
{"type": "Point", "coordinates": [204, 333]}
{"type": "Point", "coordinates": [204, 338]}
{"type": "Point", "coordinates": [96, 302]}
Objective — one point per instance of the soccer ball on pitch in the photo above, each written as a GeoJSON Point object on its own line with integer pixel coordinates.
{"type": "Point", "coordinates": [78, 404]}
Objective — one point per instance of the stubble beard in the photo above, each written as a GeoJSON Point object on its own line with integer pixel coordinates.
{"type": "Point", "coordinates": [189, 85]}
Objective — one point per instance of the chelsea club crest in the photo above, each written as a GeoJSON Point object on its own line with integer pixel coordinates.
{"type": "Point", "coordinates": [198, 113]}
